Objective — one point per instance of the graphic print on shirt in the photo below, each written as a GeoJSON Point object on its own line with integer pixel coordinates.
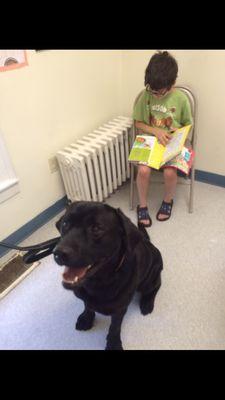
{"type": "Point", "coordinates": [156, 119]}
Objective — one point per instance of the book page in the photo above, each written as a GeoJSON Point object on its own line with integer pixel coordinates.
{"type": "Point", "coordinates": [182, 161]}
{"type": "Point", "coordinates": [176, 143]}
{"type": "Point", "coordinates": [143, 141]}
{"type": "Point", "coordinates": [141, 148]}
{"type": "Point", "coordinates": [173, 145]}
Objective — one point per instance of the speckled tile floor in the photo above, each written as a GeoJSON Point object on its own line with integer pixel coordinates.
{"type": "Point", "coordinates": [190, 306]}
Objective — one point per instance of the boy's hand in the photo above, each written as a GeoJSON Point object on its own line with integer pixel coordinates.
{"type": "Point", "coordinates": [173, 129]}
{"type": "Point", "coordinates": [162, 136]}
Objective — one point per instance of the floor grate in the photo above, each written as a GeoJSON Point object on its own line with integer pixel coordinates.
{"type": "Point", "coordinates": [13, 273]}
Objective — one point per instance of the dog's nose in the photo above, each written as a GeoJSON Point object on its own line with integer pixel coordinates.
{"type": "Point", "coordinates": [60, 256]}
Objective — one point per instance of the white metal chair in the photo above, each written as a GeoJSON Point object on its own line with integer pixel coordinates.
{"type": "Point", "coordinates": [192, 136]}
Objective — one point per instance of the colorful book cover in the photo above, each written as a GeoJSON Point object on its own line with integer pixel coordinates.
{"type": "Point", "coordinates": [183, 161]}
{"type": "Point", "coordinates": [147, 149]}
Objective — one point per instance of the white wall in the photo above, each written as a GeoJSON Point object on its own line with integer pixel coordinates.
{"type": "Point", "coordinates": [60, 96]}
{"type": "Point", "coordinates": [64, 94]}
{"type": "Point", "coordinates": [204, 72]}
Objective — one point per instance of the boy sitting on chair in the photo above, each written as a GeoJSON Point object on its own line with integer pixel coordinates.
{"type": "Point", "coordinates": [160, 109]}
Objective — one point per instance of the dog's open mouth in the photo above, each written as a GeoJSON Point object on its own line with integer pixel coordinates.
{"type": "Point", "coordinates": [72, 276]}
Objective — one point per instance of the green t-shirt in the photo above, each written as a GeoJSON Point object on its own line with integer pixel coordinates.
{"type": "Point", "coordinates": [172, 110]}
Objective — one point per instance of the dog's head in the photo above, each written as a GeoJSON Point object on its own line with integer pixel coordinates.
{"type": "Point", "coordinates": [91, 234]}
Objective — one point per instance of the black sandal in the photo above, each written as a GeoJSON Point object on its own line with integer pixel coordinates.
{"type": "Point", "coordinates": [142, 213]}
{"type": "Point", "coordinates": [165, 209]}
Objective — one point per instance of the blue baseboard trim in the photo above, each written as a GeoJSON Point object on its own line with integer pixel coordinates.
{"type": "Point", "coordinates": [31, 226]}
{"type": "Point", "coordinates": [27, 229]}
{"type": "Point", "coordinates": [206, 177]}
{"type": "Point", "coordinates": [209, 177]}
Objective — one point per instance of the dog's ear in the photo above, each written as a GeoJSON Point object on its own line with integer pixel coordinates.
{"type": "Point", "coordinates": [132, 234]}
{"type": "Point", "coordinates": [59, 223]}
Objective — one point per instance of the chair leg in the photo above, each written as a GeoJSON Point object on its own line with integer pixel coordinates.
{"type": "Point", "coordinates": [132, 187]}
{"type": "Point", "coordinates": [133, 135]}
{"type": "Point", "coordinates": [191, 199]}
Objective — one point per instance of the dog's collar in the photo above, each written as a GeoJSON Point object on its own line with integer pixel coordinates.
{"type": "Point", "coordinates": [120, 263]}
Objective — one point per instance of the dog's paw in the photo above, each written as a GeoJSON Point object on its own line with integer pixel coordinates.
{"type": "Point", "coordinates": [114, 345]}
{"type": "Point", "coordinates": [146, 306]}
{"type": "Point", "coordinates": [85, 321]}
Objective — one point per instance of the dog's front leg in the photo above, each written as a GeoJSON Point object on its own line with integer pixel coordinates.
{"type": "Point", "coordinates": [113, 337]}
{"type": "Point", "coordinates": [85, 320]}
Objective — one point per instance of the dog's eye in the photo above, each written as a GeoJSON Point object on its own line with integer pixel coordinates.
{"type": "Point", "coordinates": [64, 225]}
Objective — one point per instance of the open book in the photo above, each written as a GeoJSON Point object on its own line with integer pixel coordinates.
{"type": "Point", "coordinates": [183, 161]}
{"type": "Point", "coordinates": [148, 151]}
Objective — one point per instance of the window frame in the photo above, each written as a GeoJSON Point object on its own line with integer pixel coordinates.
{"type": "Point", "coordinates": [9, 183]}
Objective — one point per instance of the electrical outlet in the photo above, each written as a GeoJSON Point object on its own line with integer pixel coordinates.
{"type": "Point", "coordinates": [53, 164]}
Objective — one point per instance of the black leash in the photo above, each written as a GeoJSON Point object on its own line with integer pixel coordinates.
{"type": "Point", "coordinates": [36, 252]}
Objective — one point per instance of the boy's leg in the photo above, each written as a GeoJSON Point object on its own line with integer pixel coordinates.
{"type": "Point", "coordinates": [170, 180]}
{"type": "Point", "coordinates": [142, 181]}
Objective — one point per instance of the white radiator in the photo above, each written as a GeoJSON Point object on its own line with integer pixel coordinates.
{"type": "Point", "coordinates": [97, 164]}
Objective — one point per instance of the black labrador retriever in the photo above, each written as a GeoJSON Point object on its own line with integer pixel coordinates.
{"type": "Point", "coordinates": [106, 258]}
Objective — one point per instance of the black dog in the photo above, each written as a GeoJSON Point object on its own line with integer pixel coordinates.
{"type": "Point", "coordinates": [106, 260]}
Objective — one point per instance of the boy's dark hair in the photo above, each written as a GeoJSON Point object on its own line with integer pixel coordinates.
{"type": "Point", "coordinates": [161, 71]}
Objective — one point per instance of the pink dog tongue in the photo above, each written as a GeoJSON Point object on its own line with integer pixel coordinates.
{"type": "Point", "coordinates": [70, 274]}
